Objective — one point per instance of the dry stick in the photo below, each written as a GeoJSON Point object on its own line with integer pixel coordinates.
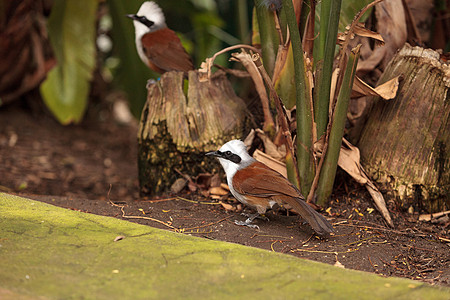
{"type": "Point", "coordinates": [268, 120]}
{"type": "Point", "coordinates": [139, 217]}
{"type": "Point", "coordinates": [202, 226]}
{"type": "Point", "coordinates": [375, 269]}
{"type": "Point", "coordinates": [251, 68]}
{"type": "Point", "coordinates": [211, 60]}
{"type": "Point", "coordinates": [342, 62]}
{"type": "Point", "coordinates": [281, 112]}
{"type": "Point", "coordinates": [324, 251]}
{"type": "Point", "coordinates": [277, 26]}
{"type": "Point", "coordinates": [347, 41]}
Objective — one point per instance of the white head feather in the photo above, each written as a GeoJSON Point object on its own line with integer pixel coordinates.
{"type": "Point", "coordinates": [152, 12]}
{"type": "Point", "coordinates": [236, 147]}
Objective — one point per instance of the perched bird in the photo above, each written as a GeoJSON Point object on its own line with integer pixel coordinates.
{"type": "Point", "coordinates": [260, 187]}
{"type": "Point", "coordinates": [158, 46]}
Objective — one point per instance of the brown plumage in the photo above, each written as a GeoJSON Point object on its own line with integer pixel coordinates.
{"type": "Point", "coordinates": [260, 185]}
{"type": "Point", "coordinates": [164, 52]}
{"type": "Point", "coordinates": [158, 46]}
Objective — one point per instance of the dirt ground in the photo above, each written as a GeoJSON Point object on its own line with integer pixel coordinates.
{"type": "Point", "coordinates": [92, 168]}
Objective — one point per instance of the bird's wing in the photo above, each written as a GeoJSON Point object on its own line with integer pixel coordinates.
{"type": "Point", "coordinates": [259, 180]}
{"type": "Point", "coordinates": [164, 50]}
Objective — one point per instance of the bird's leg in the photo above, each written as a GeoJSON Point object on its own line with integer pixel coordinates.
{"type": "Point", "coordinates": [255, 216]}
{"type": "Point", "coordinates": [248, 222]}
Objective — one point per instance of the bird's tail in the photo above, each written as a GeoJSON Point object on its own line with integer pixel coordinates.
{"type": "Point", "coordinates": [316, 220]}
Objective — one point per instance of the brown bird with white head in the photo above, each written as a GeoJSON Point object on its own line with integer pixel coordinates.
{"type": "Point", "coordinates": [258, 186]}
{"type": "Point", "coordinates": [158, 46]}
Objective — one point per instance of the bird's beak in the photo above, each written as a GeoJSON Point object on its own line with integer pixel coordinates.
{"type": "Point", "coordinates": [131, 16]}
{"type": "Point", "coordinates": [214, 153]}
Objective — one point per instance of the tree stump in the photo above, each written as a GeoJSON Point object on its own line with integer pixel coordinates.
{"type": "Point", "coordinates": [177, 129]}
{"type": "Point", "coordinates": [405, 144]}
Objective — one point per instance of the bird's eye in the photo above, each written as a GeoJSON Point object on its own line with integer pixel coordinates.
{"type": "Point", "coordinates": [227, 153]}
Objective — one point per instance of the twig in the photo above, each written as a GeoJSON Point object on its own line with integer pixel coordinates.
{"type": "Point", "coordinates": [358, 241]}
{"type": "Point", "coordinates": [140, 217]}
{"type": "Point", "coordinates": [207, 65]}
{"type": "Point", "coordinates": [323, 251]}
{"type": "Point", "coordinates": [182, 230]}
{"type": "Point", "coordinates": [281, 112]}
{"type": "Point", "coordinates": [271, 245]}
{"type": "Point", "coordinates": [197, 202]}
{"type": "Point", "coordinates": [159, 200]}
{"type": "Point", "coordinates": [342, 60]}
{"type": "Point", "coordinates": [246, 60]}
{"type": "Point", "coordinates": [428, 217]}
{"type": "Point", "coordinates": [370, 261]}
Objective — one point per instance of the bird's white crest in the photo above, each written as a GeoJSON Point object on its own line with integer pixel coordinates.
{"type": "Point", "coordinates": [152, 12]}
{"type": "Point", "coordinates": [237, 147]}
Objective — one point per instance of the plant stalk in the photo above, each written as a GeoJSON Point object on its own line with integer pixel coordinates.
{"type": "Point", "coordinates": [304, 109]}
{"type": "Point", "coordinates": [332, 146]}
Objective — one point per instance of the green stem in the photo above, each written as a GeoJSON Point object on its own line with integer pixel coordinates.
{"type": "Point", "coordinates": [329, 23]}
{"type": "Point", "coordinates": [331, 153]}
{"type": "Point", "coordinates": [304, 109]}
{"type": "Point", "coordinates": [268, 35]}
{"type": "Point", "coordinates": [241, 7]}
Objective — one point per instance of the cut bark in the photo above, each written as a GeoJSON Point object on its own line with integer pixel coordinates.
{"type": "Point", "coordinates": [406, 141]}
{"type": "Point", "coordinates": [175, 130]}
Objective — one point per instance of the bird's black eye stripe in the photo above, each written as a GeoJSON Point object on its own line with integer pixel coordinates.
{"type": "Point", "coordinates": [145, 21]}
{"type": "Point", "coordinates": [231, 156]}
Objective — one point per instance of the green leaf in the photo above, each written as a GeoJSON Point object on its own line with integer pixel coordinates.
{"type": "Point", "coordinates": [71, 29]}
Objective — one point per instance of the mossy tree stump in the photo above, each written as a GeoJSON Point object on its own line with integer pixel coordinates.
{"type": "Point", "coordinates": [177, 129]}
{"type": "Point", "coordinates": [406, 141]}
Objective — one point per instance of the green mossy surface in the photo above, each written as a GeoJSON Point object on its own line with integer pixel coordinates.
{"type": "Point", "coordinates": [54, 253]}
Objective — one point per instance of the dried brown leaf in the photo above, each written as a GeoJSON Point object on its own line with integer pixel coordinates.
{"type": "Point", "coordinates": [225, 186]}
{"type": "Point", "coordinates": [247, 61]}
{"type": "Point", "coordinates": [387, 90]}
{"type": "Point", "coordinates": [270, 162]}
{"type": "Point", "coordinates": [178, 185]}
{"type": "Point", "coordinates": [349, 161]}
{"type": "Point", "coordinates": [227, 207]}
{"type": "Point", "coordinates": [218, 191]}
{"type": "Point", "coordinates": [361, 30]}
{"type": "Point", "coordinates": [271, 149]}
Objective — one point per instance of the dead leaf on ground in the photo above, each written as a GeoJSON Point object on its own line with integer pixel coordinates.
{"type": "Point", "coordinates": [349, 161]}
{"type": "Point", "coordinates": [178, 185]}
{"type": "Point", "coordinates": [429, 217]}
{"type": "Point", "coordinates": [218, 191]}
{"type": "Point", "coordinates": [227, 207]}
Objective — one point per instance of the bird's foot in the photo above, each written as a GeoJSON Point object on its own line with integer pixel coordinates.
{"type": "Point", "coordinates": [247, 223]}
{"type": "Point", "coordinates": [150, 82]}
{"type": "Point", "coordinates": [251, 217]}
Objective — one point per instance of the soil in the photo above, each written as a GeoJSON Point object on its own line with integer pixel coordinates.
{"type": "Point", "coordinates": [92, 167]}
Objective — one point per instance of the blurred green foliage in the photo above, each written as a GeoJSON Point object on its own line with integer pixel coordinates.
{"type": "Point", "coordinates": [71, 29]}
